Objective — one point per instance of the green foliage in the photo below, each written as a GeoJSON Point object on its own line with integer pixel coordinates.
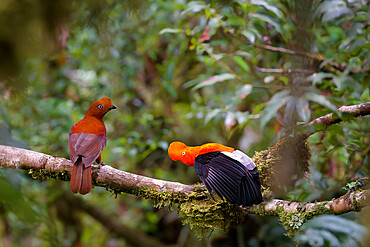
{"type": "Point", "coordinates": [13, 199]}
{"type": "Point", "coordinates": [328, 230]}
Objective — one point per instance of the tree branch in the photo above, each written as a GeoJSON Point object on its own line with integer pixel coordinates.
{"type": "Point", "coordinates": [284, 71]}
{"type": "Point", "coordinates": [329, 65]}
{"type": "Point", "coordinates": [329, 119]}
{"type": "Point", "coordinates": [352, 201]}
{"type": "Point", "coordinates": [291, 52]}
{"type": "Point", "coordinates": [190, 198]}
{"type": "Point", "coordinates": [106, 176]}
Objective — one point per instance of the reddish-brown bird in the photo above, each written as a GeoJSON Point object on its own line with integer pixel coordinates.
{"type": "Point", "coordinates": [86, 141]}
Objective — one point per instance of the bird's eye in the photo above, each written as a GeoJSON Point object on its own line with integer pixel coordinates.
{"type": "Point", "coordinates": [183, 153]}
{"type": "Point", "coordinates": [100, 106]}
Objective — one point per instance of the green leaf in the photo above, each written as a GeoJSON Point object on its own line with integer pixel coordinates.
{"type": "Point", "coordinates": [258, 108]}
{"type": "Point", "coordinates": [14, 201]}
{"type": "Point", "coordinates": [276, 102]}
{"type": "Point", "coordinates": [171, 30]}
{"type": "Point", "coordinates": [333, 9]}
{"type": "Point", "coordinates": [320, 99]}
{"type": "Point", "coordinates": [330, 230]}
{"type": "Point", "coordinates": [214, 79]}
{"type": "Point", "coordinates": [290, 110]}
{"type": "Point", "coordinates": [339, 81]}
{"type": "Point", "coordinates": [365, 96]}
{"type": "Point", "coordinates": [267, 6]}
{"type": "Point", "coordinates": [242, 117]}
{"type": "Point", "coordinates": [319, 77]}
{"type": "Point", "coordinates": [269, 79]}
{"type": "Point", "coordinates": [336, 223]}
{"type": "Point", "coordinates": [315, 237]}
{"type": "Point", "coordinates": [240, 61]}
{"type": "Point", "coordinates": [267, 19]}
{"type": "Point", "coordinates": [335, 12]}
{"type": "Point", "coordinates": [211, 114]}
{"type": "Point", "coordinates": [303, 109]}
{"type": "Point", "coordinates": [244, 91]}
{"type": "Point", "coordinates": [194, 7]}
{"type": "Point", "coordinates": [236, 21]}
{"type": "Point", "coordinates": [251, 34]}
{"type": "Point", "coordinates": [194, 82]}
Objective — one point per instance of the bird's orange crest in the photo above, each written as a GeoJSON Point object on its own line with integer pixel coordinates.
{"type": "Point", "coordinates": [185, 154]}
{"type": "Point", "coordinates": [179, 151]}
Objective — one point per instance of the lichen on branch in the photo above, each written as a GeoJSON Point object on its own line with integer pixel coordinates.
{"type": "Point", "coordinates": [193, 202]}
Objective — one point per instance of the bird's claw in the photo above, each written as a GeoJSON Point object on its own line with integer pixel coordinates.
{"type": "Point", "coordinates": [99, 165]}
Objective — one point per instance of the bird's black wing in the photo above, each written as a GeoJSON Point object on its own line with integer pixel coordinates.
{"type": "Point", "coordinates": [229, 178]}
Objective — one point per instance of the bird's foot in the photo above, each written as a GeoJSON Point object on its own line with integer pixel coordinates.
{"type": "Point", "coordinates": [98, 166]}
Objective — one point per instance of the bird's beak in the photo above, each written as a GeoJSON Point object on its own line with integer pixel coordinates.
{"type": "Point", "coordinates": [112, 107]}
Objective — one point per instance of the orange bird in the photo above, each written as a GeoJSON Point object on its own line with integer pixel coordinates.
{"type": "Point", "coordinates": [228, 172]}
{"type": "Point", "coordinates": [87, 139]}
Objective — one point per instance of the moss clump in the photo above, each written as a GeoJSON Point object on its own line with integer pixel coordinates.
{"type": "Point", "coordinates": [207, 215]}
{"type": "Point", "coordinates": [357, 203]}
{"type": "Point", "coordinates": [266, 166]}
{"type": "Point", "coordinates": [43, 174]}
{"type": "Point", "coordinates": [292, 221]}
{"type": "Point", "coordinates": [196, 209]}
{"type": "Point", "coordinates": [160, 198]}
{"type": "Point", "coordinates": [355, 185]}
{"type": "Point", "coordinates": [283, 164]}
{"type": "Point", "coordinates": [260, 210]}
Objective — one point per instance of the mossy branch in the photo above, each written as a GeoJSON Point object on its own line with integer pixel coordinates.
{"type": "Point", "coordinates": [194, 203]}
{"type": "Point", "coordinates": [294, 214]}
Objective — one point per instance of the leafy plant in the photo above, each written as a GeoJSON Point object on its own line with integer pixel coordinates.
{"type": "Point", "coordinates": [328, 230]}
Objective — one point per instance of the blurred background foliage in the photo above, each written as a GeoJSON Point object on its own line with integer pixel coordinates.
{"type": "Point", "coordinates": [242, 73]}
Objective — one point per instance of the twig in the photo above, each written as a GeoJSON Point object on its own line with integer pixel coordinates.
{"type": "Point", "coordinates": [291, 52]}
{"type": "Point", "coordinates": [329, 119]}
{"type": "Point", "coordinates": [329, 65]}
{"type": "Point", "coordinates": [284, 71]}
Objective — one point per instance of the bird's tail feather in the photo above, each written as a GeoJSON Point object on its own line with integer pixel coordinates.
{"type": "Point", "coordinates": [86, 185]}
{"type": "Point", "coordinates": [76, 177]}
{"type": "Point", "coordinates": [81, 178]}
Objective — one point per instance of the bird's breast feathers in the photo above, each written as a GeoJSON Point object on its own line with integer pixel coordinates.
{"type": "Point", "coordinates": [89, 125]}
